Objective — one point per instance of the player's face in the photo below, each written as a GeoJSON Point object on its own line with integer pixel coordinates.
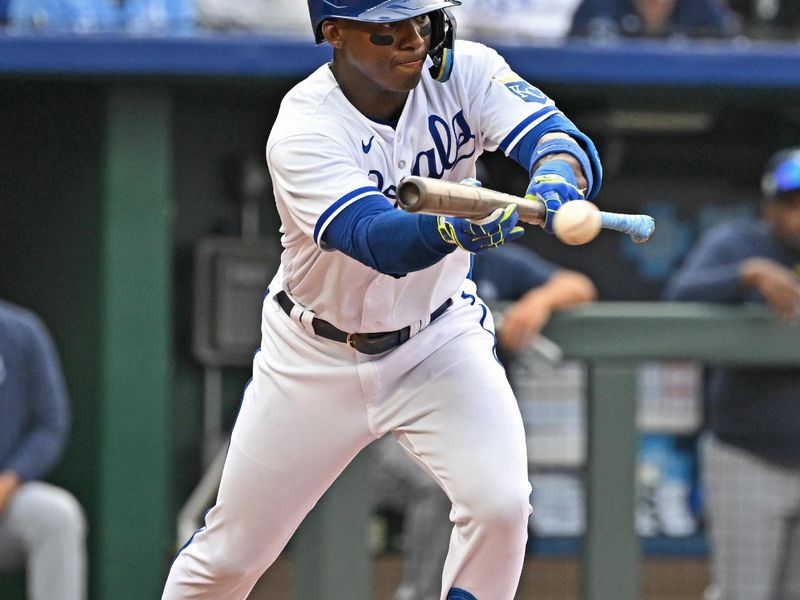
{"type": "Point", "coordinates": [390, 55]}
{"type": "Point", "coordinates": [784, 214]}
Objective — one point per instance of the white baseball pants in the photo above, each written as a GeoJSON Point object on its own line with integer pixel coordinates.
{"type": "Point", "coordinates": [313, 404]}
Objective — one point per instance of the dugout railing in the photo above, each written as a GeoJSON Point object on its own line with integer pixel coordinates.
{"type": "Point", "coordinates": [614, 337]}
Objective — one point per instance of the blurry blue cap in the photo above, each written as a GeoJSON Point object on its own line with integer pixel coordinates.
{"type": "Point", "coordinates": [782, 174]}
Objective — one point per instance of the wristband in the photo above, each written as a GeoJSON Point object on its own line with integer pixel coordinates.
{"type": "Point", "coordinates": [567, 146]}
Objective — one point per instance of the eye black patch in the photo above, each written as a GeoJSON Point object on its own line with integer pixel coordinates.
{"type": "Point", "coordinates": [425, 30]}
{"type": "Point", "coordinates": [381, 40]}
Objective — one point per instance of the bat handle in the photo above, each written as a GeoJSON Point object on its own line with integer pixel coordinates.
{"type": "Point", "coordinates": [639, 227]}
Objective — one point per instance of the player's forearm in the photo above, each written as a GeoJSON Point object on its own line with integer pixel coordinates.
{"type": "Point", "coordinates": [720, 283]}
{"type": "Point", "coordinates": [385, 239]}
{"type": "Point", "coordinates": [754, 272]}
{"type": "Point", "coordinates": [399, 245]}
{"type": "Point", "coordinates": [563, 290]}
{"type": "Point", "coordinates": [528, 152]}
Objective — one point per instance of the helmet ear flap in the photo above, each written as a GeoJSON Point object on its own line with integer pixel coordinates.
{"type": "Point", "coordinates": [443, 35]}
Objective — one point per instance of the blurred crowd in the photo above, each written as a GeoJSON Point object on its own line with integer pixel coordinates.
{"type": "Point", "coordinates": [521, 20]}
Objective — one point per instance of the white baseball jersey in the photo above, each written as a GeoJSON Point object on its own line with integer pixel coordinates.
{"type": "Point", "coordinates": [324, 154]}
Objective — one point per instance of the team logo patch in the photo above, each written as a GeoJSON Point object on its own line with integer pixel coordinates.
{"type": "Point", "coordinates": [526, 91]}
{"type": "Point", "coordinates": [520, 88]}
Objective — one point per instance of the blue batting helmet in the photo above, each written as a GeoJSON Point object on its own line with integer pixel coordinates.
{"type": "Point", "coordinates": [782, 174]}
{"type": "Point", "coordinates": [388, 11]}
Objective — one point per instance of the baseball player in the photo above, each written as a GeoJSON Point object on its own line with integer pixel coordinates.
{"type": "Point", "coordinates": [371, 325]}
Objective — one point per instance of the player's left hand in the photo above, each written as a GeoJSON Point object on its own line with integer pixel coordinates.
{"type": "Point", "coordinates": [480, 235]}
{"type": "Point", "coordinates": [553, 183]}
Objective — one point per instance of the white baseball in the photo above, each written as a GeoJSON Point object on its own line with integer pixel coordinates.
{"type": "Point", "coordinates": [577, 222]}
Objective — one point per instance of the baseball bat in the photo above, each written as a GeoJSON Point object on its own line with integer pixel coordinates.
{"type": "Point", "coordinates": [439, 197]}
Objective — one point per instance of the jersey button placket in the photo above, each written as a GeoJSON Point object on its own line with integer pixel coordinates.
{"type": "Point", "coordinates": [400, 151]}
{"type": "Point", "coordinates": [379, 295]}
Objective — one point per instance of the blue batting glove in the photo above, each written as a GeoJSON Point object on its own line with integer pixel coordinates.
{"type": "Point", "coordinates": [554, 184]}
{"type": "Point", "coordinates": [478, 236]}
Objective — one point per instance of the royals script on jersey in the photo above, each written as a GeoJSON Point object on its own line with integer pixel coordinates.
{"type": "Point", "coordinates": [323, 155]}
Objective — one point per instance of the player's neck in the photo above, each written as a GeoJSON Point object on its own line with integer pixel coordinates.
{"type": "Point", "coordinates": [367, 97]}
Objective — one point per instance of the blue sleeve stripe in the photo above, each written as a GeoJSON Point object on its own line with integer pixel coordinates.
{"type": "Point", "coordinates": [338, 206]}
{"type": "Point", "coordinates": [520, 130]}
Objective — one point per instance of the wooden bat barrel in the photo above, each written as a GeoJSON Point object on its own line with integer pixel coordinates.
{"type": "Point", "coordinates": [438, 197]}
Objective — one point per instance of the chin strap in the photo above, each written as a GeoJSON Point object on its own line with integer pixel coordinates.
{"type": "Point", "coordinates": [443, 36]}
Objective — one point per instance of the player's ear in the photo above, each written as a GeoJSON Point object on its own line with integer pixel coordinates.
{"type": "Point", "coordinates": [332, 31]}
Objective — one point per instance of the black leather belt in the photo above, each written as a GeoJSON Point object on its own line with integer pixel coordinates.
{"type": "Point", "coordinates": [366, 343]}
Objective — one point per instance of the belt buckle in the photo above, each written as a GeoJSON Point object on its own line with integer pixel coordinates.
{"type": "Point", "coordinates": [370, 343]}
{"type": "Point", "coordinates": [350, 341]}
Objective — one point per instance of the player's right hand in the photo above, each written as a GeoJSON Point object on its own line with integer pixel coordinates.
{"type": "Point", "coordinates": [480, 235]}
{"type": "Point", "coordinates": [554, 184]}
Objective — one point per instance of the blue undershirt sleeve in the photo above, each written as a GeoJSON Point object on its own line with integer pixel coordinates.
{"type": "Point", "coordinates": [391, 241]}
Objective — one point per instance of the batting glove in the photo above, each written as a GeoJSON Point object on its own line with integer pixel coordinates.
{"type": "Point", "coordinates": [478, 236]}
{"type": "Point", "coordinates": [554, 184]}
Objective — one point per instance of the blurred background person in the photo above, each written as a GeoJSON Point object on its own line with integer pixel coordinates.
{"type": "Point", "coordinates": [769, 18]}
{"type": "Point", "coordinates": [519, 20]}
{"type": "Point", "coordinates": [288, 17]}
{"type": "Point", "coordinates": [89, 16]}
{"type": "Point", "coordinates": [42, 527]}
{"type": "Point", "coordinates": [535, 289]}
{"type": "Point", "coordinates": [751, 457]}
{"type": "Point", "coordinates": [653, 18]}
